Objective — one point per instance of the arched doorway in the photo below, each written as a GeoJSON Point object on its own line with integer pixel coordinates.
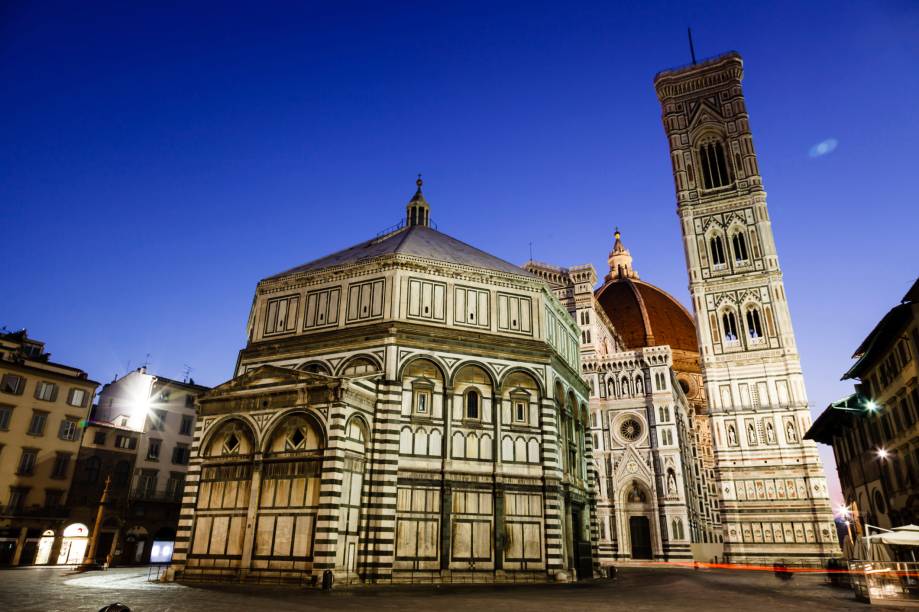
{"type": "Point", "coordinates": [636, 515]}
{"type": "Point", "coordinates": [73, 544]}
{"type": "Point", "coordinates": [45, 544]}
{"type": "Point", "coordinates": [640, 536]}
{"type": "Point", "coordinates": [135, 543]}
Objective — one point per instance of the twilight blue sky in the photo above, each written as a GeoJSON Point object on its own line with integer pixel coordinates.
{"type": "Point", "coordinates": [158, 159]}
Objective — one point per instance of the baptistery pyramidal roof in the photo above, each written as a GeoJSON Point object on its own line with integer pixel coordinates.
{"type": "Point", "coordinates": [415, 237]}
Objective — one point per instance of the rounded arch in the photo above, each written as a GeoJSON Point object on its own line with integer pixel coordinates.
{"type": "Point", "coordinates": [433, 360]}
{"type": "Point", "coordinates": [571, 401]}
{"type": "Point", "coordinates": [292, 415]}
{"type": "Point", "coordinates": [315, 366]}
{"type": "Point", "coordinates": [635, 491]}
{"type": "Point", "coordinates": [706, 132]}
{"type": "Point", "coordinates": [560, 394]}
{"type": "Point", "coordinates": [507, 379]}
{"type": "Point", "coordinates": [472, 364]}
{"type": "Point", "coordinates": [76, 530]}
{"type": "Point", "coordinates": [352, 361]}
{"type": "Point", "coordinates": [235, 423]}
{"type": "Point", "coordinates": [358, 430]}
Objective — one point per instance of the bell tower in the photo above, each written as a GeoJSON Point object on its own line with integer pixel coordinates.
{"type": "Point", "coordinates": [774, 500]}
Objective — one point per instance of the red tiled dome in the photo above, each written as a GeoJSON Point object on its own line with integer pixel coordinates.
{"type": "Point", "coordinates": [647, 316]}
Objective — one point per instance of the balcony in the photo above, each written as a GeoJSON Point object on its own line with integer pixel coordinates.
{"type": "Point", "coordinates": [152, 495]}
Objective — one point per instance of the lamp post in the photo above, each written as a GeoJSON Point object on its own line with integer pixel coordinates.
{"type": "Point", "coordinates": [94, 540]}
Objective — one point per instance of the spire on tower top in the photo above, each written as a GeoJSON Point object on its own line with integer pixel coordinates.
{"type": "Point", "coordinates": [418, 212]}
{"type": "Point", "coordinates": [620, 261]}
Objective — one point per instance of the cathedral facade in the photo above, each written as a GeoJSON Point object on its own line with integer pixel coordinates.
{"type": "Point", "coordinates": [656, 486]}
{"type": "Point", "coordinates": [408, 409]}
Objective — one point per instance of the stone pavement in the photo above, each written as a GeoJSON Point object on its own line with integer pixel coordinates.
{"type": "Point", "coordinates": [636, 589]}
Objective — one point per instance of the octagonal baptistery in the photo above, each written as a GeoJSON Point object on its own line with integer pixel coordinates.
{"type": "Point", "coordinates": [407, 409]}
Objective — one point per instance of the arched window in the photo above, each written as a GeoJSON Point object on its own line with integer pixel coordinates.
{"type": "Point", "coordinates": [717, 247]}
{"type": "Point", "coordinates": [729, 322]}
{"type": "Point", "coordinates": [472, 404]}
{"type": "Point", "coordinates": [740, 247]}
{"type": "Point", "coordinates": [754, 325]}
{"type": "Point", "coordinates": [359, 367]}
{"type": "Point", "coordinates": [714, 165]}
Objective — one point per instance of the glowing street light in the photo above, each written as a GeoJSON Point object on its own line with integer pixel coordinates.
{"type": "Point", "coordinates": [883, 453]}
{"type": "Point", "coordinates": [844, 512]}
{"type": "Point", "coordinates": [871, 406]}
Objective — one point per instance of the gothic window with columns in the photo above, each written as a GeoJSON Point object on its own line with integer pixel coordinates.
{"type": "Point", "coordinates": [754, 323]}
{"type": "Point", "coordinates": [714, 164]}
{"type": "Point", "coordinates": [717, 247]}
{"type": "Point", "coordinates": [729, 322]}
{"type": "Point", "coordinates": [739, 242]}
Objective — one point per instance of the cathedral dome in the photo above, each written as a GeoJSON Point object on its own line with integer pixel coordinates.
{"type": "Point", "coordinates": [645, 315]}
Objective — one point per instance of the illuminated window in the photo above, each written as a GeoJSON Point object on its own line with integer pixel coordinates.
{"type": "Point", "coordinates": [153, 449]}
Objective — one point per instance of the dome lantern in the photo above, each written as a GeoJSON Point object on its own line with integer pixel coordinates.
{"type": "Point", "coordinates": [620, 261]}
{"type": "Point", "coordinates": [417, 211]}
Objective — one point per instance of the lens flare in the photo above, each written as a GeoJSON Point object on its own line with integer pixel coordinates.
{"type": "Point", "coordinates": [824, 148]}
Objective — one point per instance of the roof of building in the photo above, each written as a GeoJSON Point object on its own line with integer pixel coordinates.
{"type": "Point", "coordinates": [414, 237]}
{"type": "Point", "coordinates": [418, 241]}
{"type": "Point", "coordinates": [888, 329]}
{"type": "Point", "coordinates": [838, 415]}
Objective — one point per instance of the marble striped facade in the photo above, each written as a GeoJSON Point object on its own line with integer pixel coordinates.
{"type": "Point", "coordinates": [409, 409]}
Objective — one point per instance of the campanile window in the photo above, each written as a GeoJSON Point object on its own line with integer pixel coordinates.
{"type": "Point", "coordinates": [729, 321]}
{"type": "Point", "coordinates": [717, 247]}
{"type": "Point", "coordinates": [714, 165]}
{"type": "Point", "coordinates": [740, 247]}
{"type": "Point", "coordinates": [754, 325]}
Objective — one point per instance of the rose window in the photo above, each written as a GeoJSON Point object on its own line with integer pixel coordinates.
{"type": "Point", "coordinates": [630, 430]}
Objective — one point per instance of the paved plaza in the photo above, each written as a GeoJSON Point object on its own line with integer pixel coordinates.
{"type": "Point", "coordinates": [636, 589]}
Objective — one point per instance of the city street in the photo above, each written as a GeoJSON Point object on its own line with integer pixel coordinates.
{"type": "Point", "coordinates": [636, 589]}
